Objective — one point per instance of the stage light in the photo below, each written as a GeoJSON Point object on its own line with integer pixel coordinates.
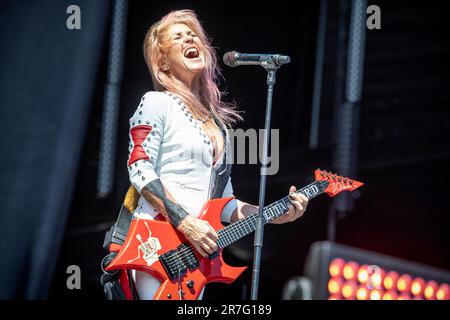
{"type": "Point", "coordinates": [334, 285]}
{"type": "Point", "coordinates": [344, 272]}
{"type": "Point", "coordinates": [390, 295]}
{"type": "Point", "coordinates": [336, 267]}
{"type": "Point", "coordinates": [404, 283]}
{"type": "Point", "coordinates": [417, 286]}
{"type": "Point", "coordinates": [375, 294]}
{"type": "Point", "coordinates": [404, 296]}
{"type": "Point", "coordinates": [362, 293]}
{"type": "Point", "coordinates": [349, 290]}
{"type": "Point", "coordinates": [363, 274]}
{"type": "Point", "coordinates": [375, 280]}
{"type": "Point", "coordinates": [443, 292]}
{"type": "Point", "coordinates": [430, 290]}
{"type": "Point", "coordinates": [390, 281]}
{"type": "Point", "coordinates": [350, 269]}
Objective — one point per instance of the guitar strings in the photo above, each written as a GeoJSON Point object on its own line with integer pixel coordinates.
{"type": "Point", "coordinates": [233, 228]}
{"type": "Point", "coordinates": [183, 253]}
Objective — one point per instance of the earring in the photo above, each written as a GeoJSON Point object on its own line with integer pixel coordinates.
{"type": "Point", "coordinates": [165, 66]}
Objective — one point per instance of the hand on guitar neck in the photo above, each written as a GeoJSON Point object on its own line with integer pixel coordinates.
{"type": "Point", "coordinates": [296, 209]}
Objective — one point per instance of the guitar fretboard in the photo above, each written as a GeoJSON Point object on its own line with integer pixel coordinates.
{"type": "Point", "coordinates": [243, 227]}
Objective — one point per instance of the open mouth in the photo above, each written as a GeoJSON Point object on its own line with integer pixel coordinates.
{"type": "Point", "coordinates": [191, 53]}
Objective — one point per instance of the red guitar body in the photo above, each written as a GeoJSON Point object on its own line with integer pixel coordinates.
{"type": "Point", "coordinates": [149, 239]}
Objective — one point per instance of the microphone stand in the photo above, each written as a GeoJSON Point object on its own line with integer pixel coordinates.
{"type": "Point", "coordinates": [271, 69]}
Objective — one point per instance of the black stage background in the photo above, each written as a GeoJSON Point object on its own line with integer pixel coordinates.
{"type": "Point", "coordinates": [53, 82]}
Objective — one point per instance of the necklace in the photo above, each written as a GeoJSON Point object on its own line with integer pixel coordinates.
{"type": "Point", "coordinates": [199, 118]}
{"type": "Point", "coordinates": [205, 120]}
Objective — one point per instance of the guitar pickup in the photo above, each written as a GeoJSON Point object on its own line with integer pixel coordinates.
{"type": "Point", "coordinates": [174, 267]}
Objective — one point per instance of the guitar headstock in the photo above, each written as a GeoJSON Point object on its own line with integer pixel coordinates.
{"type": "Point", "coordinates": [336, 183]}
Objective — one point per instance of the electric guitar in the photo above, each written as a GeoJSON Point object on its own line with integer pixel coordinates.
{"type": "Point", "coordinates": [157, 248]}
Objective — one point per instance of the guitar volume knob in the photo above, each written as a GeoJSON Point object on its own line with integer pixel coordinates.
{"type": "Point", "coordinates": [190, 284]}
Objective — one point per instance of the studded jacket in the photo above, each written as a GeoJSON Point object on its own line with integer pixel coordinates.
{"type": "Point", "coordinates": [168, 143]}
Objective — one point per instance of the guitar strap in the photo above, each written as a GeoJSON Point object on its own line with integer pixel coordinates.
{"type": "Point", "coordinates": [114, 239]}
{"type": "Point", "coordinates": [220, 180]}
{"type": "Point", "coordinates": [220, 176]}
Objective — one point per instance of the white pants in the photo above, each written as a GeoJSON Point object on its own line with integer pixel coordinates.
{"type": "Point", "coordinates": [147, 285]}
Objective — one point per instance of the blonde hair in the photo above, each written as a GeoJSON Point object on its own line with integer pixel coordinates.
{"type": "Point", "coordinates": [209, 98]}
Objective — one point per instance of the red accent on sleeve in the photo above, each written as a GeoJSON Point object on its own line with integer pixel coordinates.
{"type": "Point", "coordinates": [159, 217]}
{"type": "Point", "coordinates": [138, 135]}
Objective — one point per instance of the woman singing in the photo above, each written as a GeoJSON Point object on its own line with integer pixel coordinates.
{"type": "Point", "coordinates": [179, 144]}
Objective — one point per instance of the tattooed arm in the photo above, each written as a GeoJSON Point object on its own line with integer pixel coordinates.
{"type": "Point", "coordinates": [199, 232]}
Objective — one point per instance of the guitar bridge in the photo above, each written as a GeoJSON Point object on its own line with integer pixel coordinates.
{"type": "Point", "coordinates": [188, 256]}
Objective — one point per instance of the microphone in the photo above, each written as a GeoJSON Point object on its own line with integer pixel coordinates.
{"type": "Point", "coordinates": [234, 59]}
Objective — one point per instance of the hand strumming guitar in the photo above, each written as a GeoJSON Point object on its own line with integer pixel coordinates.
{"type": "Point", "coordinates": [200, 233]}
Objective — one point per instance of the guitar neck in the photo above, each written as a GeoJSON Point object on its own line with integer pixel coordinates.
{"type": "Point", "coordinates": [243, 227]}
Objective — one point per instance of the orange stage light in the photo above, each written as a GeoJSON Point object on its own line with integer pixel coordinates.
{"type": "Point", "coordinates": [349, 290]}
{"type": "Point", "coordinates": [404, 283]}
{"type": "Point", "coordinates": [334, 285]}
{"type": "Point", "coordinates": [404, 296]}
{"type": "Point", "coordinates": [375, 280]}
{"type": "Point", "coordinates": [375, 294]}
{"type": "Point", "coordinates": [350, 270]}
{"type": "Point", "coordinates": [430, 290]}
{"type": "Point", "coordinates": [390, 295]}
{"type": "Point", "coordinates": [336, 267]}
{"type": "Point", "coordinates": [443, 292]}
{"type": "Point", "coordinates": [362, 293]}
{"type": "Point", "coordinates": [390, 281]}
{"type": "Point", "coordinates": [417, 286]}
{"type": "Point", "coordinates": [363, 274]}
